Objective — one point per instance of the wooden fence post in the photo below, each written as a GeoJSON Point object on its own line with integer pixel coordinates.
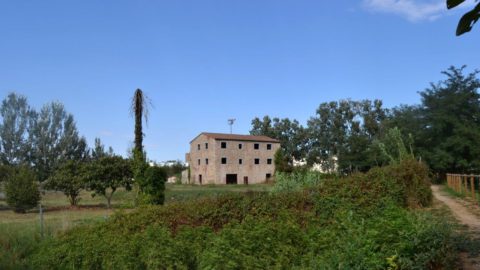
{"type": "Point", "coordinates": [456, 183]}
{"type": "Point", "coordinates": [459, 189]}
{"type": "Point", "coordinates": [466, 185]}
{"type": "Point", "coordinates": [472, 186]}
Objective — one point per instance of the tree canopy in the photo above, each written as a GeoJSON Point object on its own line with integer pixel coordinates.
{"type": "Point", "coordinates": [106, 174]}
{"type": "Point", "coordinates": [16, 130]}
{"type": "Point", "coordinates": [69, 178]}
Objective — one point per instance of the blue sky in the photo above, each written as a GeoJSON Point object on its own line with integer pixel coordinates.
{"type": "Point", "coordinates": [202, 62]}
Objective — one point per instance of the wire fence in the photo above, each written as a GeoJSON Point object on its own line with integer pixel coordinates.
{"type": "Point", "coordinates": [466, 184]}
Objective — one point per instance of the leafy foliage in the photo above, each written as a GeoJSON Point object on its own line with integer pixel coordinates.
{"type": "Point", "coordinates": [69, 178]}
{"type": "Point", "coordinates": [18, 119]}
{"type": "Point", "coordinates": [290, 133]}
{"type": "Point", "coordinates": [105, 175]}
{"type": "Point", "coordinates": [56, 140]}
{"type": "Point", "coordinates": [154, 186]}
{"type": "Point", "coordinates": [393, 147]}
{"type": "Point", "coordinates": [5, 172]}
{"type": "Point", "coordinates": [282, 162]}
{"type": "Point", "coordinates": [99, 151]}
{"type": "Point", "coordinates": [451, 120]}
{"type": "Point", "coordinates": [352, 223]}
{"type": "Point", "coordinates": [298, 180]}
{"type": "Point", "coordinates": [22, 190]}
{"type": "Point", "coordinates": [468, 19]}
{"type": "Point", "coordinates": [345, 129]}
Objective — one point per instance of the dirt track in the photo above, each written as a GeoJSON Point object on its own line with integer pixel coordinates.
{"type": "Point", "coordinates": [461, 213]}
{"type": "Point", "coordinates": [465, 217]}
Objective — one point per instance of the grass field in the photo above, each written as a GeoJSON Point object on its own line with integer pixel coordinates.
{"type": "Point", "coordinates": [57, 209]}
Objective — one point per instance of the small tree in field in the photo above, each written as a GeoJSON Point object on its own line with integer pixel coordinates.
{"type": "Point", "coordinates": [69, 178]}
{"type": "Point", "coordinates": [108, 174]}
{"type": "Point", "coordinates": [22, 190]}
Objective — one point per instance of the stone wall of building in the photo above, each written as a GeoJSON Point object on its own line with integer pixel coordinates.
{"type": "Point", "coordinates": [240, 161]}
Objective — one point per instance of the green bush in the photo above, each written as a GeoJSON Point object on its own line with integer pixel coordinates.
{"type": "Point", "coordinates": [360, 222]}
{"type": "Point", "coordinates": [22, 191]}
{"type": "Point", "coordinates": [154, 186]}
{"type": "Point", "coordinates": [297, 180]}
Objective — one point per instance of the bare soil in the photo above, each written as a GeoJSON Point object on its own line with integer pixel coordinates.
{"type": "Point", "coordinates": [466, 214]}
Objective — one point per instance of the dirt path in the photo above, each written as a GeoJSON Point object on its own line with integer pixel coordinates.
{"type": "Point", "coordinates": [464, 216]}
{"type": "Point", "coordinates": [461, 213]}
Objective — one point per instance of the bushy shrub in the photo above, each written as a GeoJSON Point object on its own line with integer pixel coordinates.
{"type": "Point", "coordinates": [412, 177]}
{"type": "Point", "coordinates": [154, 186]}
{"type": "Point", "coordinates": [355, 223]}
{"type": "Point", "coordinates": [298, 180]}
{"type": "Point", "coordinates": [407, 181]}
{"type": "Point", "coordinates": [22, 191]}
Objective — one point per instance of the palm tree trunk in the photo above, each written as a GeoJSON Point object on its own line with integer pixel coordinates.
{"type": "Point", "coordinates": [138, 110]}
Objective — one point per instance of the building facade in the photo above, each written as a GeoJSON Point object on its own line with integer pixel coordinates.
{"type": "Point", "coordinates": [217, 158]}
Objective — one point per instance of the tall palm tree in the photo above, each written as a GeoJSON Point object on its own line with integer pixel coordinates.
{"type": "Point", "coordinates": [139, 108]}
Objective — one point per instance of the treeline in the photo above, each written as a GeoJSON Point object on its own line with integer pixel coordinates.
{"type": "Point", "coordinates": [44, 149]}
{"type": "Point", "coordinates": [347, 136]}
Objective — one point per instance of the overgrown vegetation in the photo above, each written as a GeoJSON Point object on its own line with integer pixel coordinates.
{"type": "Point", "coordinates": [360, 222]}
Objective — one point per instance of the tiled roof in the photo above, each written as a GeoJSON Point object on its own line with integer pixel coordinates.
{"type": "Point", "coordinates": [238, 137]}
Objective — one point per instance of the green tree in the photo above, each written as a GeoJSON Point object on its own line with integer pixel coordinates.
{"type": "Point", "coordinates": [69, 178]}
{"type": "Point", "coordinates": [107, 174]}
{"type": "Point", "coordinates": [468, 19]}
{"type": "Point", "coordinates": [5, 172]}
{"type": "Point", "coordinates": [154, 187]}
{"type": "Point", "coordinates": [174, 168]}
{"type": "Point", "coordinates": [56, 139]}
{"type": "Point", "coordinates": [18, 119]}
{"type": "Point", "coordinates": [451, 119]}
{"type": "Point", "coordinates": [393, 147]}
{"type": "Point", "coordinates": [140, 108]}
{"type": "Point", "coordinates": [290, 133]}
{"type": "Point", "coordinates": [98, 151]}
{"type": "Point", "coordinates": [282, 162]}
{"type": "Point", "coordinates": [22, 191]}
{"type": "Point", "coordinates": [342, 132]}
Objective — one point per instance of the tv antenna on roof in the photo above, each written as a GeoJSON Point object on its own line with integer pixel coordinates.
{"type": "Point", "coordinates": [231, 122]}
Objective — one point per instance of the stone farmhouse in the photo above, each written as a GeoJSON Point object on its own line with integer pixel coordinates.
{"type": "Point", "coordinates": [217, 158]}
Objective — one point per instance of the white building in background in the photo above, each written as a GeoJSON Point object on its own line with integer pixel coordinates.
{"type": "Point", "coordinates": [317, 167]}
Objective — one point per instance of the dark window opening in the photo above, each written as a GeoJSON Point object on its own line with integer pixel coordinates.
{"type": "Point", "coordinates": [198, 147]}
{"type": "Point", "coordinates": [240, 146]}
{"type": "Point", "coordinates": [257, 161]}
{"type": "Point", "coordinates": [269, 161]}
{"type": "Point", "coordinates": [269, 147]}
{"type": "Point", "coordinates": [256, 146]}
{"type": "Point", "coordinates": [268, 176]}
{"type": "Point", "coordinates": [206, 161]}
{"type": "Point", "coordinates": [200, 179]}
{"type": "Point", "coordinates": [231, 179]}
{"type": "Point", "coordinates": [224, 145]}
{"type": "Point", "coordinates": [206, 145]}
{"type": "Point", "coordinates": [240, 161]}
{"type": "Point", "coordinates": [224, 160]}
{"type": "Point", "coordinates": [198, 161]}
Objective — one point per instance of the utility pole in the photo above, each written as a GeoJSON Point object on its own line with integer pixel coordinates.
{"type": "Point", "coordinates": [231, 122]}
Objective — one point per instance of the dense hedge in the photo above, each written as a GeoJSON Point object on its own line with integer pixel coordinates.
{"type": "Point", "coordinates": [354, 223]}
